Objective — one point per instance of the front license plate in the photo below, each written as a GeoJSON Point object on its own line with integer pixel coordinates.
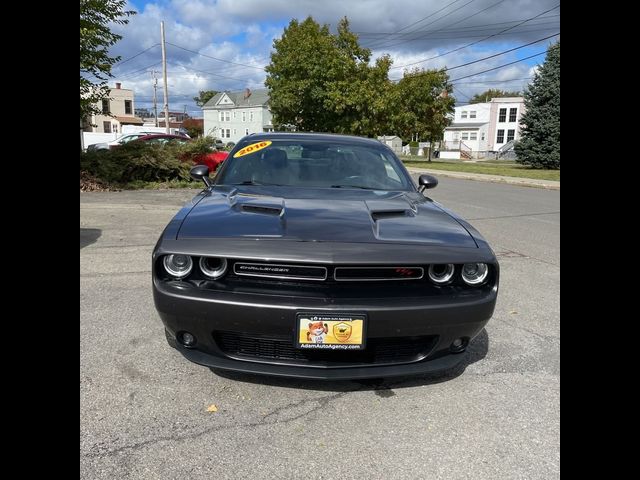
{"type": "Point", "coordinates": [336, 331]}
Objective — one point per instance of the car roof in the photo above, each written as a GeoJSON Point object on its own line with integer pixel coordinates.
{"type": "Point", "coordinates": [321, 137]}
{"type": "Point", "coordinates": [162, 135]}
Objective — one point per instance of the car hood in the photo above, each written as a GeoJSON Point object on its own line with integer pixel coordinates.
{"type": "Point", "coordinates": [311, 215]}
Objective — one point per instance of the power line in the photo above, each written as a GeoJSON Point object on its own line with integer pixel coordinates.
{"type": "Point", "coordinates": [133, 73]}
{"type": "Point", "coordinates": [444, 16]}
{"type": "Point", "coordinates": [136, 55]}
{"type": "Point", "coordinates": [477, 41]}
{"type": "Point", "coordinates": [494, 81]}
{"type": "Point", "coordinates": [451, 24]}
{"type": "Point", "coordinates": [482, 26]}
{"type": "Point", "coordinates": [214, 58]}
{"type": "Point", "coordinates": [502, 53]}
{"type": "Point", "coordinates": [429, 16]}
{"type": "Point", "coordinates": [210, 73]}
{"type": "Point", "coordinates": [501, 66]}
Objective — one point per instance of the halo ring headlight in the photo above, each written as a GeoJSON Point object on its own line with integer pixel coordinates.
{"type": "Point", "coordinates": [474, 273]}
{"type": "Point", "coordinates": [178, 266]}
{"type": "Point", "coordinates": [213, 267]}
{"type": "Point", "coordinates": [441, 274]}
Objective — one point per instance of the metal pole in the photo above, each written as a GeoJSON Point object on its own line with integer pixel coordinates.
{"type": "Point", "coordinates": [155, 96]}
{"type": "Point", "coordinates": [164, 76]}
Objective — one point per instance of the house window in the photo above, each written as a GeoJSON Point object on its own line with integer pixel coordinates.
{"type": "Point", "coordinates": [221, 116]}
{"type": "Point", "coordinates": [106, 126]}
{"type": "Point", "coordinates": [463, 114]}
{"type": "Point", "coordinates": [465, 135]}
{"type": "Point", "coordinates": [105, 106]}
{"type": "Point", "coordinates": [511, 134]}
{"type": "Point", "coordinates": [127, 107]}
{"type": "Point", "coordinates": [473, 136]}
{"type": "Point", "coordinates": [246, 131]}
{"type": "Point", "coordinates": [244, 116]}
{"type": "Point", "coordinates": [512, 114]}
{"type": "Point", "coordinates": [251, 117]}
{"type": "Point", "coordinates": [228, 133]}
{"type": "Point", "coordinates": [482, 136]}
{"type": "Point", "coordinates": [234, 132]}
{"type": "Point", "coordinates": [472, 114]}
{"type": "Point", "coordinates": [234, 115]}
{"type": "Point", "coordinates": [503, 115]}
{"type": "Point", "coordinates": [228, 116]}
{"type": "Point", "coordinates": [500, 138]}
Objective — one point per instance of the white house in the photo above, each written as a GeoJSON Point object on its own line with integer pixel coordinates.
{"type": "Point", "coordinates": [117, 111]}
{"type": "Point", "coordinates": [232, 115]}
{"type": "Point", "coordinates": [393, 142]}
{"type": "Point", "coordinates": [480, 128]}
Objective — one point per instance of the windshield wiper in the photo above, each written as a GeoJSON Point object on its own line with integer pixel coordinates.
{"type": "Point", "coordinates": [352, 186]}
{"type": "Point", "coordinates": [253, 182]}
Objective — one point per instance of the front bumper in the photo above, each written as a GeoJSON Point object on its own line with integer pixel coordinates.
{"type": "Point", "coordinates": [204, 313]}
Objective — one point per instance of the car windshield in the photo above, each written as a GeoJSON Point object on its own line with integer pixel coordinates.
{"type": "Point", "coordinates": [313, 163]}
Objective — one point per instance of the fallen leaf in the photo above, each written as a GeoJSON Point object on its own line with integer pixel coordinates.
{"type": "Point", "coordinates": [212, 408]}
{"type": "Point", "coordinates": [513, 312]}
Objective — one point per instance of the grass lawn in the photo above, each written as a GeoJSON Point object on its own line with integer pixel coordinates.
{"type": "Point", "coordinates": [509, 170]}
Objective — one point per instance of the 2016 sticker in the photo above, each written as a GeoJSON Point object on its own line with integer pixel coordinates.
{"type": "Point", "coordinates": [254, 147]}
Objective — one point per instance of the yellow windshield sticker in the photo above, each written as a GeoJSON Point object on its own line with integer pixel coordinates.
{"type": "Point", "coordinates": [254, 147]}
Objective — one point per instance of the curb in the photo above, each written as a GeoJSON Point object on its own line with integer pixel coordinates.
{"type": "Point", "coordinates": [522, 182]}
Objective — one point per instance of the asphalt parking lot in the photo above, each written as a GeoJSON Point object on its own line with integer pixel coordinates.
{"type": "Point", "coordinates": [144, 407]}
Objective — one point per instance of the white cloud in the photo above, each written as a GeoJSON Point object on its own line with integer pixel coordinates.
{"type": "Point", "coordinates": [243, 32]}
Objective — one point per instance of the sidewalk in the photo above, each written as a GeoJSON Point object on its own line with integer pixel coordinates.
{"type": "Point", "coordinates": [523, 182]}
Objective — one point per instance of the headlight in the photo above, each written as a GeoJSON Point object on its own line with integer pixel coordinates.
{"type": "Point", "coordinates": [213, 267]}
{"type": "Point", "coordinates": [178, 266]}
{"type": "Point", "coordinates": [441, 274]}
{"type": "Point", "coordinates": [474, 273]}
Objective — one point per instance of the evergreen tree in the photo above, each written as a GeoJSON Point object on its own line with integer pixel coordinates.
{"type": "Point", "coordinates": [539, 146]}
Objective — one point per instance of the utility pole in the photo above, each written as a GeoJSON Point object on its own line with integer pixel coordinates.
{"type": "Point", "coordinates": [164, 76]}
{"type": "Point", "coordinates": [155, 96]}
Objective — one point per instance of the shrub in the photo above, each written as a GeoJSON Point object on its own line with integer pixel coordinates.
{"type": "Point", "coordinates": [138, 161]}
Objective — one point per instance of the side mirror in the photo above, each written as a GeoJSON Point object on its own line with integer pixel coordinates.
{"type": "Point", "coordinates": [201, 172]}
{"type": "Point", "coordinates": [427, 181]}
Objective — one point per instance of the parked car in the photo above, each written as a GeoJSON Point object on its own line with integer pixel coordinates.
{"type": "Point", "coordinates": [121, 140]}
{"type": "Point", "coordinates": [211, 160]}
{"type": "Point", "coordinates": [163, 138]}
{"type": "Point", "coordinates": [316, 256]}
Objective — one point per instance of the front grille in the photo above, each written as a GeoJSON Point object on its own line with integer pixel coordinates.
{"type": "Point", "coordinates": [280, 349]}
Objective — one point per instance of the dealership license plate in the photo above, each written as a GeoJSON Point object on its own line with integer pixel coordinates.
{"type": "Point", "coordinates": [330, 331]}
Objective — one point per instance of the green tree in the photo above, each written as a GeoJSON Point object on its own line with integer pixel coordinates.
{"type": "Point", "coordinates": [323, 82]}
{"type": "Point", "coordinates": [204, 96]}
{"type": "Point", "coordinates": [95, 40]}
{"type": "Point", "coordinates": [193, 127]}
{"type": "Point", "coordinates": [423, 99]}
{"type": "Point", "coordinates": [539, 145]}
{"type": "Point", "coordinates": [487, 95]}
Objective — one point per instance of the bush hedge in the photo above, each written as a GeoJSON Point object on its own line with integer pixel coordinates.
{"type": "Point", "coordinates": [145, 162]}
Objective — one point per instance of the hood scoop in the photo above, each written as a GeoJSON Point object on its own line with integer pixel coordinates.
{"type": "Point", "coordinates": [262, 209]}
{"type": "Point", "coordinates": [381, 215]}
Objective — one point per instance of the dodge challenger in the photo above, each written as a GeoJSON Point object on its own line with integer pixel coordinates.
{"type": "Point", "coordinates": [317, 256]}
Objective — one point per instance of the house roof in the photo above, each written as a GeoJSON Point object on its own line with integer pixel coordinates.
{"type": "Point", "coordinates": [130, 120]}
{"type": "Point", "coordinates": [257, 98]}
{"type": "Point", "coordinates": [388, 137]}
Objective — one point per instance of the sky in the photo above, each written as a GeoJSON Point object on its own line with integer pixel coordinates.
{"type": "Point", "coordinates": [225, 44]}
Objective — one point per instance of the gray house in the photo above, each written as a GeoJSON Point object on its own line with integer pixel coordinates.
{"type": "Point", "coordinates": [393, 142]}
{"type": "Point", "coordinates": [232, 115]}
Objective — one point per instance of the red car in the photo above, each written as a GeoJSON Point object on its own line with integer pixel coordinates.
{"type": "Point", "coordinates": [211, 160]}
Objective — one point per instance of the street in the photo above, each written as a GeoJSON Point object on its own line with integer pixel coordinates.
{"type": "Point", "coordinates": [144, 407]}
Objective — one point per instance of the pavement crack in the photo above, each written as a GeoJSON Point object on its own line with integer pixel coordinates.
{"type": "Point", "coordinates": [321, 403]}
